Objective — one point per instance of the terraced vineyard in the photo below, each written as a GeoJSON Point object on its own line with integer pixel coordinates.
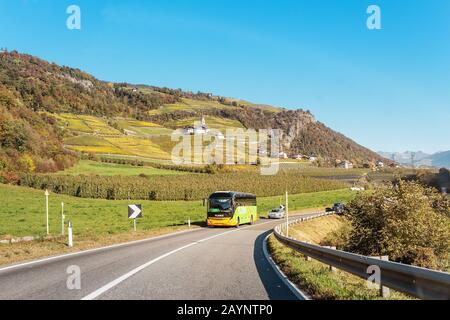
{"type": "Point", "coordinates": [129, 137]}
{"type": "Point", "coordinates": [188, 105]}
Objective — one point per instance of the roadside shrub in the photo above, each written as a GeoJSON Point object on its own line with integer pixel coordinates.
{"type": "Point", "coordinates": [401, 221]}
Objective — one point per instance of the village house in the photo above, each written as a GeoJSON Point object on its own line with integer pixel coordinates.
{"type": "Point", "coordinates": [345, 165]}
{"type": "Point", "coordinates": [283, 155]}
{"type": "Point", "coordinates": [380, 164]}
{"type": "Point", "coordinates": [297, 156]}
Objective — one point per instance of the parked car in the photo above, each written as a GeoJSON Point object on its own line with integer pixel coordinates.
{"type": "Point", "coordinates": [278, 213]}
{"type": "Point", "coordinates": [338, 208]}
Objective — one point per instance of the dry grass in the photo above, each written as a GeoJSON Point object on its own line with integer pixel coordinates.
{"type": "Point", "coordinates": [26, 251]}
{"type": "Point", "coordinates": [317, 230]}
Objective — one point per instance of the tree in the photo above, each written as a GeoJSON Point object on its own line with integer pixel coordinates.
{"type": "Point", "coordinates": [406, 221]}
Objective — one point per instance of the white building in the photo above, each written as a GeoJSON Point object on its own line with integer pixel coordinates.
{"type": "Point", "coordinates": [201, 128]}
{"type": "Point", "coordinates": [345, 165]}
{"type": "Point", "coordinates": [283, 155]}
{"type": "Point", "coordinates": [380, 164]}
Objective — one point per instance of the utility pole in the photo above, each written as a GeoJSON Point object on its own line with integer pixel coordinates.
{"type": "Point", "coordinates": [413, 160]}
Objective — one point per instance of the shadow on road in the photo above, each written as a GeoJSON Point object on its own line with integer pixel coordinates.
{"type": "Point", "coordinates": [275, 288]}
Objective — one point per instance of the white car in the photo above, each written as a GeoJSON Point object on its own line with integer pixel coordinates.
{"type": "Point", "coordinates": [278, 213]}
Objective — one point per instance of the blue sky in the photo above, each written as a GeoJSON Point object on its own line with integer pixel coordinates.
{"type": "Point", "coordinates": [387, 89]}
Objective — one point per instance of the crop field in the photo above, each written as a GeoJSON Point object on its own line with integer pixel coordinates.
{"type": "Point", "coordinates": [86, 124]}
{"type": "Point", "coordinates": [212, 122]}
{"type": "Point", "coordinates": [182, 187]}
{"type": "Point", "coordinates": [131, 146]}
{"type": "Point", "coordinates": [92, 144]}
{"type": "Point", "coordinates": [143, 128]}
{"type": "Point", "coordinates": [138, 147]}
{"type": "Point", "coordinates": [87, 167]}
{"type": "Point", "coordinates": [23, 212]}
{"type": "Point", "coordinates": [189, 105]}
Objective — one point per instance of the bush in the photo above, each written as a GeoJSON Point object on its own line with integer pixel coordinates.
{"type": "Point", "coordinates": [402, 221]}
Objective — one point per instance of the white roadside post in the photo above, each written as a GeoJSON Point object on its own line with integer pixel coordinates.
{"type": "Point", "coordinates": [62, 218]}
{"type": "Point", "coordinates": [287, 214]}
{"type": "Point", "coordinates": [189, 223]}
{"type": "Point", "coordinates": [70, 236]}
{"type": "Point", "coordinates": [134, 224]}
{"type": "Point", "coordinates": [46, 210]}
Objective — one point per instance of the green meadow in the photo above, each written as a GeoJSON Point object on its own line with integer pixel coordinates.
{"type": "Point", "coordinates": [23, 212]}
{"type": "Point", "coordinates": [87, 167]}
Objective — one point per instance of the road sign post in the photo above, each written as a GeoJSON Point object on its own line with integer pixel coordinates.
{"type": "Point", "coordinates": [134, 212]}
{"type": "Point", "coordinates": [46, 210]}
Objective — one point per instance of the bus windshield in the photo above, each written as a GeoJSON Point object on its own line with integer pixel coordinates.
{"type": "Point", "coordinates": [221, 204]}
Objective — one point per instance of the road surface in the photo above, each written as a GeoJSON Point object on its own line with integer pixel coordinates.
{"type": "Point", "coordinates": [218, 264]}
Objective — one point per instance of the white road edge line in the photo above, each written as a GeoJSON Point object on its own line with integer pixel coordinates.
{"type": "Point", "coordinates": [292, 286]}
{"type": "Point", "coordinates": [96, 250]}
{"type": "Point", "coordinates": [117, 281]}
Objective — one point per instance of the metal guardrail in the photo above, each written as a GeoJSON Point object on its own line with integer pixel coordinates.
{"type": "Point", "coordinates": [418, 282]}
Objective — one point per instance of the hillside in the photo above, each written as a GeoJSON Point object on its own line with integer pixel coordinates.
{"type": "Point", "coordinates": [50, 113]}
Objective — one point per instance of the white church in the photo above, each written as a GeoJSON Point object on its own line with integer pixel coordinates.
{"type": "Point", "coordinates": [199, 129]}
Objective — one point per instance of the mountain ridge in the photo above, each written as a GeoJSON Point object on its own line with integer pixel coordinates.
{"type": "Point", "coordinates": [438, 159]}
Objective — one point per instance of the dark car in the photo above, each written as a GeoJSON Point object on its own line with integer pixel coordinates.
{"type": "Point", "coordinates": [338, 208]}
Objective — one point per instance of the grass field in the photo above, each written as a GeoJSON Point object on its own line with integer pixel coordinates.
{"type": "Point", "coordinates": [23, 211]}
{"type": "Point", "coordinates": [87, 167]}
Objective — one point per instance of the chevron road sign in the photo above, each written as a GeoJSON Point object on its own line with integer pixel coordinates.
{"type": "Point", "coordinates": [134, 211]}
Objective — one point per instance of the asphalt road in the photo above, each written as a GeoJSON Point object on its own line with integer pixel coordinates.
{"type": "Point", "coordinates": [222, 264]}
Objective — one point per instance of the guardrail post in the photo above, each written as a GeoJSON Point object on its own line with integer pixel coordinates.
{"type": "Point", "coordinates": [384, 291]}
{"type": "Point", "coordinates": [308, 258]}
{"type": "Point", "coordinates": [332, 269]}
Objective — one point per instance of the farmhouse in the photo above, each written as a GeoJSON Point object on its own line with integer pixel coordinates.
{"type": "Point", "coordinates": [380, 164]}
{"type": "Point", "coordinates": [345, 165]}
{"type": "Point", "coordinates": [283, 155]}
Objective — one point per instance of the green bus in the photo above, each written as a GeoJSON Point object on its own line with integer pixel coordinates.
{"type": "Point", "coordinates": [231, 209]}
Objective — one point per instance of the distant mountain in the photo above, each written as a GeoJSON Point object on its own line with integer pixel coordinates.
{"type": "Point", "coordinates": [34, 93]}
{"type": "Point", "coordinates": [439, 160]}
